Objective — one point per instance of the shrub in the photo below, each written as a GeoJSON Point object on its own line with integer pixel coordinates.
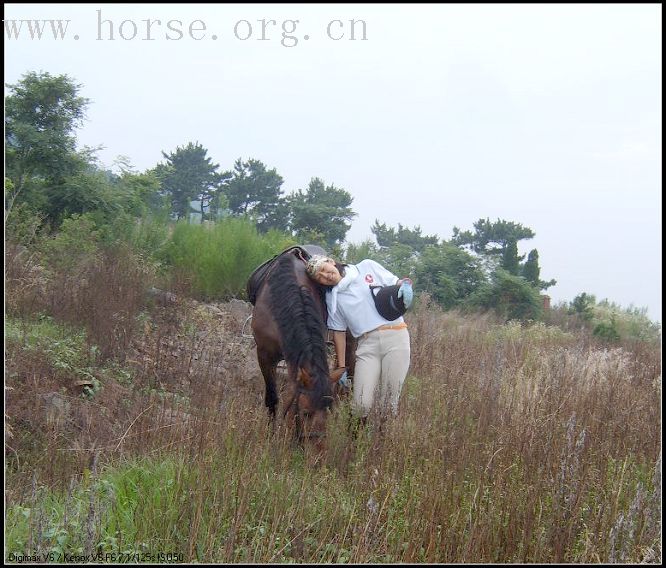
{"type": "Point", "coordinates": [615, 322]}
{"type": "Point", "coordinates": [606, 331]}
{"type": "Point", "coordinates": [583, 305]}
{"type": "Point", "coordinates": [146, 236]}
{"type": "Point", "coordinates": [219, 257]}
{"type": "Point", "coordinates": [75, 244]}
{"type": "Point", "coordinates": [512, 297]}
{"type": "Point", "coordinates": [23, 226]}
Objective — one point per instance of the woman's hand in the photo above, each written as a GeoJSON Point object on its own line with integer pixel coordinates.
{"type": "Point", "coordinates": [343, 381]}
{"type": "Point", "coordinates": [406, 292]}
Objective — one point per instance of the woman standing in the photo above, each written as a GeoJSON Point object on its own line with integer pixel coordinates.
{"type": "Point", "coordinates": [383, 353]}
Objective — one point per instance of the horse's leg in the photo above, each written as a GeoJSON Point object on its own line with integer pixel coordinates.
{"type": "Point", "coordinates": [267, 364]}
{"type": "Point", "coordinates": [350, 353]}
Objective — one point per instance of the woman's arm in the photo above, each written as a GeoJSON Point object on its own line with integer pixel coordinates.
{"type": "Point", "coordinates": [340, 343]}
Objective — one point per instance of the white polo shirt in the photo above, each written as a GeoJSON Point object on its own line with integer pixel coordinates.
{"type": "Point", "coordinates": [350, 304]}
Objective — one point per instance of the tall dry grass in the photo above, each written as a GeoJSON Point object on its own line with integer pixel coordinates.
{"type": "Point", "coordinates": [512, 444]}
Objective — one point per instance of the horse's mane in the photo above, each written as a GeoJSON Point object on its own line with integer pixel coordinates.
{"type": "Point", "coordinates": [299, 319]}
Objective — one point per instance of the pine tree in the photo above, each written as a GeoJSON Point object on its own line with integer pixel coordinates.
{"type": "Point", "coordinates": [531, 268]}
{"type": "Point", "coordinates": [531, 272]}
{"type": "Point", "coordinates": [321, 212]}
{"type": "Point", "coordinates": [255, 191]}
{"type": "Point", "coordinates": [510, 259]}
{"type": "Point", "coordinates": [189, 174]}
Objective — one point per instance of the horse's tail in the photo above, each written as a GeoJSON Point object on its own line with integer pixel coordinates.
{"type": "Point", "coordinates": [299, 319]}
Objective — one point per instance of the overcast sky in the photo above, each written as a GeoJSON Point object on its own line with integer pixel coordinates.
{"type": "Point", "coordinates": [429, 115]}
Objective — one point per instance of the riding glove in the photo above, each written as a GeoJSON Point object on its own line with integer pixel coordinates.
{"type": "Point", "coordinates": [343, 381]}
{"type": "Point", "coordinates": [406, 292]}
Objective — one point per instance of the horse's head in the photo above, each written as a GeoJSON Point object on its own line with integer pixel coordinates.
{"type": "Point", "coordinates": [310, 407]}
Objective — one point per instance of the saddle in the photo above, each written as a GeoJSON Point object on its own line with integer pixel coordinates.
{"type": "Point", "coordinates": [258, 276]}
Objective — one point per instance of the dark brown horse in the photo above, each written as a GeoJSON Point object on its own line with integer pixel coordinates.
{"type": "Point", "coordinates": [288, 322]}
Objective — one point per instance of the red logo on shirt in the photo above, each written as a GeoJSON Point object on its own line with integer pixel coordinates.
{"type": "Point", "coordinates": [368, 278]}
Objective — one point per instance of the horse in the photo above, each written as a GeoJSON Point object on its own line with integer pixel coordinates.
{"type": "Point", "coordinates": [289, 323]}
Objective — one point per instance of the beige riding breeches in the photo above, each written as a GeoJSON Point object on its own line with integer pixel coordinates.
{"type": "Point", "coordinates": [382, 362]}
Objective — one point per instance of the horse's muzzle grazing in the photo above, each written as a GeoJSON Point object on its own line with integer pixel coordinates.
{"type": "Point", "coordinates": [310, 423]}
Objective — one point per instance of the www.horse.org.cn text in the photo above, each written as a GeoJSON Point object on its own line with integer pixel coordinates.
{"type": "Point", "coordinates": [287, 32]}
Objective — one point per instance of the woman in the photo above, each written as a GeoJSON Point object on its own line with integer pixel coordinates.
{"type": "Point", "coordinates": [382, 355]}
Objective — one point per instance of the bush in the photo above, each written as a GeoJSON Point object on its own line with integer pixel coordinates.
{"type": "Point", "coordinates": [512, 297]}
{"type": "Point", "coordinates": [449, 274]}
{"type": "Point", "coordinates": [219, 257]}
{"type": "Point", "coordinates": [606, 331]}
{"type": "Point", "coordinates": [147, 235]}
{"type": "Point", "coordinates": [94, 281]}
{"type": "Point", "coordinates": [23, 226]}
{"type": "Point", "coordinates": [583, 305]}
{"type": "Point", "coordinates": [76, 243]}
{"type": "Point", "coordinates": [611, 321]}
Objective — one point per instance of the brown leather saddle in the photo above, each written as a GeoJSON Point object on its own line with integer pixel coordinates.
{"type": "Point", "coordinates": [258, 276]}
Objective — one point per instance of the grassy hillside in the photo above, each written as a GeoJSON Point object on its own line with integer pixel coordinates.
{"type": "Point", "coordinates": [136, 431]}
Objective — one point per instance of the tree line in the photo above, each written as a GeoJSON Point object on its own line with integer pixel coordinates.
{"type": "Point", "coordinates": [48, 178]}
{"type": "Point", "coordinates": [47, 174]}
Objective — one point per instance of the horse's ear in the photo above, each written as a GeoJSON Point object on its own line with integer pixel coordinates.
{"type": "Point", "coordinates": [335, 374]}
